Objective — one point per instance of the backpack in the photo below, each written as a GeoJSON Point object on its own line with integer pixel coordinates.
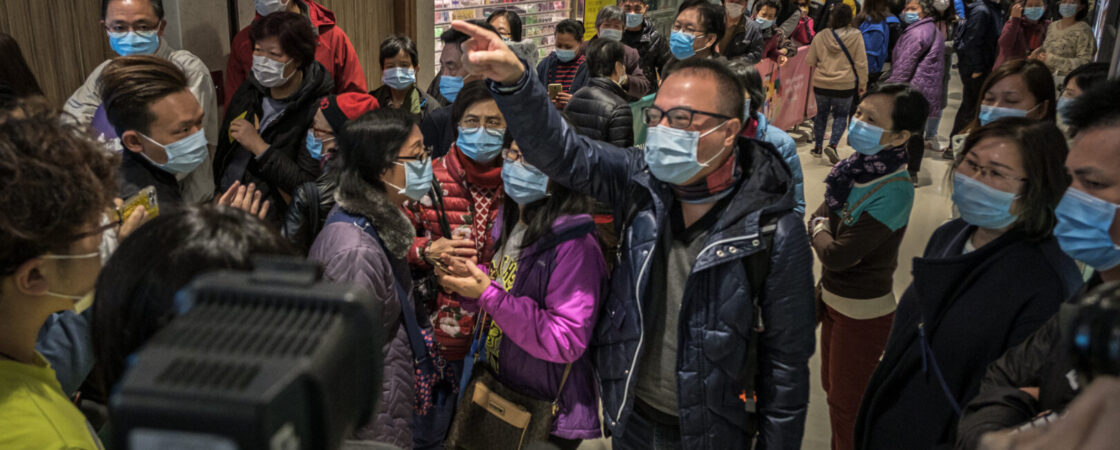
{"type": "Point", "coordinates": [804, 33]}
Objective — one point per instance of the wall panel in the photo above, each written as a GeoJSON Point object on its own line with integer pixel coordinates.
{"type": "Point", "coordinates": [62, 40]}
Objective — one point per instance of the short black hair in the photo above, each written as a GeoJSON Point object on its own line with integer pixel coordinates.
{"type": "Point", "coordinates": [841, 16]}
{"type": "Point", "coordinates": [767, 4]}
{"type": "Point", "coordinates": [471, 93]}
{"type": "Point", "coordinates": [602, 55]}
{"type": "Point", "coordinates": [726, 82]}
{"type": "Point", "coordinates": [369, 145]}
{"type": "Point", "coordinates": [1088, 75]}
{"type": "Point", "coordinates": [644, 2]}
{"type": "Point", "coordinates": [515, 28]}
{"type": "Point", "coordinates": [135, 294]}
{"type": "Point", "coordinates": [394, 45]}
{"type": "Point", "coordinates": [157, 6]}
{"type": "Point", "coordinates": [751, 80]}
{"type": "Point", "coordinates": [1096, 107]}
{"type": "Point", "coordinates": [711, 16]}
{"type": "Point", "coordinates": [456, 37]}
{"type": "Point", "coordinates": [910, 107]}
{"type": "Point", "coordinates": [572, 27]}
{"type": "Point", "coordinates": [292, 30]}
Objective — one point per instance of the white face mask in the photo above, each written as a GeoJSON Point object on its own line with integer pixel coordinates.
{"type": "Point", "coordinates": [72, 297]}
{"type": "Point", "coordinates": [269, 72]}
{"type": "Point", "coordinates": [734, 9]}
{"type": "Point", "coordinates": [941, 5]}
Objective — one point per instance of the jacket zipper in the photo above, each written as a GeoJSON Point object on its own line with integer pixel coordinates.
{"type": "Point", "coordinates": [641, 335]}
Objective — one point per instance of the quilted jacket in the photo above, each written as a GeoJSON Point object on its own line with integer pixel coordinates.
{"type": "Point", "coordinates": [600, 112]}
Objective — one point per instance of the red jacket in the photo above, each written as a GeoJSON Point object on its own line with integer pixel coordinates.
{"type": "Point", "coordinates": [335, 52]}
{"type": "Point", "coordinates": [457, 175]}
{"type": "Point", "coordinates": [1019, 38]}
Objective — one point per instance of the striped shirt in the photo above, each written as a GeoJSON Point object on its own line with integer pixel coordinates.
{"type": "Point", "coordinates": [565, 72]}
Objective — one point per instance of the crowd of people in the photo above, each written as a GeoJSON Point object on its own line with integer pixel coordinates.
{"type": "Point", "coordinates": [661, 295]}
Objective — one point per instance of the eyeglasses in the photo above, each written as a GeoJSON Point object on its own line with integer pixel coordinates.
{"type": "Point", "coordinates": [687, 29]}
{"type": "Point", "coordinates": [680, 117]}
{"type": "Point", "coordinates": [116, 218]}
{"type": "Point", "coordinates": [511, 154]}
{"type": "Point", "coordinates": [474, 122]}
{"type": "Point", "coordinates": [997, 175]}
{"type": "Point", "coordinates": [139, 27]}
{"type": "Point", "coordinates": [423, 157]}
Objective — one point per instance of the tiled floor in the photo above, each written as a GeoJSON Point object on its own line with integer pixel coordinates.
{"type": "Point", "coordinates": [932, 208]}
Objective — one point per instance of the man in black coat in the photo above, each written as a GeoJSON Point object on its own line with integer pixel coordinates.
{"type": "Point", "coordinates": [639, 34]}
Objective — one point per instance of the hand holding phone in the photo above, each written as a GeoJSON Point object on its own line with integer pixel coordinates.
{"type": "Point", "coordinates": [146, 198]}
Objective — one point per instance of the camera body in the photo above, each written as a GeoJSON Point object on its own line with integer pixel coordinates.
{"type": "Point", "coordinates": [1093, 332]}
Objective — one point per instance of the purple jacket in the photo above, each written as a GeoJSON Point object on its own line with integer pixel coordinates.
{"type": "Point", "coordinates": [919, 59]}
{"type": "Point", "coordinates": [539, 340]}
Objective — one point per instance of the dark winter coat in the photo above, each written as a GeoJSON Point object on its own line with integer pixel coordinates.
{"type": "Point", "coordinates": [977, 38]}
{"type": "Point", "coordinates": [600, 112]}
{"type": "Point", "coordinates": [716, 311]}
{"type": "Point", "coordinates": [137, 173]}
{"type": "Point", "coordinates": [746, 44]}
{"type": "Point", "coordinates": [919, 59]}
{"type": "Point", "coordinates": [351, 255]}
{"type": "Point", "coordinates": [653, 50]}
{"type": "Point", "coordinates": [287, 163]}
{"type": "Point", "coordinates": [972, 308]}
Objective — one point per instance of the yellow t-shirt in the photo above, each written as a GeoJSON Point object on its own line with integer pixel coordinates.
{"type": "Point", "coordinates": [35, 414]}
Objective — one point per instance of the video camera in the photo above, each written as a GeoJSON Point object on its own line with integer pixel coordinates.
{"type": "Point", "coordinates": [1093, 332]}
{"type": "Point", "coordinates": [270, 359]}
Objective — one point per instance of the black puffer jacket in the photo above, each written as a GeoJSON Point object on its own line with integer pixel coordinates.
{"type": "Point", "coordinates": [746, 43]}
{"type": "Point", "coordinates": [311, 203]}
{"type": "Point", "coordinates": [600, 112]}
{"type": "Point", "coordinates": [287, 163]}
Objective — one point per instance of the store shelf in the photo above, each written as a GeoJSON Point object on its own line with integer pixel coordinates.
{"type": "Point", "coordinates": [491, 5]}
{"type": "Point", "coordinates": [523, 15]}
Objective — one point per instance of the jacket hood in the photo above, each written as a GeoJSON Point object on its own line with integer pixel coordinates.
{"type": "Point", "coordinates": [526, 49]}
{"type": "Point", "coordinates": [357, 196]}
{"type": "Point", "coordinates": [844, 33]}
{"type": "Point", "coordinates": [321, 17]}
{"type": "Point", "coordinates": [767, 186]}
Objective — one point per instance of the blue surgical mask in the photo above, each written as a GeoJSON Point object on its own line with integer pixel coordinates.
{"type": "Point", "coordinates": [865, 138]}
{"type": "Point", "coordinates": [910, 17]}
{"type": "Point", "coordinates": [315, 145]}
{"type": "Point", "coordinates": [1067, 9]}
{"type": "Point", "coordinates": [671, 153]}
{"type": "Point", "coordinates": [134, 42]}
{"type": "Point", "coordinates": [982, 205]}
{"type": "Point", "coordinates": [1034, 12]}
{"type": "Point", "coordinates": [524, 183]}
{"type": "Point", "coordinates": [399, 78]}
{"type": "Point", "coordinates": [184, 155]}
{"type": "Point", "coordinates": [1063, 106]}
{"type": "Point", "coordinates": [989, 114]}
{"type": "Point", "coordinates": [417, 179]}
{"type": "Point", "coordinates": [481, 144]}
{"type": "Point", "coordinates": [764, 23]}
{"type": "Point", "coordinates": [565, 54]}
{"type": "Point", "coordinates": [633, 20]}
{"type": "Point", "coordinates": [611, 34]}
{"type": "Point", "coordinates": [1083, 229]}
{"type": "Point", "coordinates": [680, 44]}
{"type": "Point", "coordinates": [449, 87]}
{"type": "Point", "coordinates": [746, 110]}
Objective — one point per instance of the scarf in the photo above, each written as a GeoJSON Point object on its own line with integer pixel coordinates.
{"type": "Point", "coordinates": [713, 187]}
{"type": "Point", "coordinates": [860, 168]}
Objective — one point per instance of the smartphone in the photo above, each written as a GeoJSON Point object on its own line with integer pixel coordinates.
{"type": "Point", "coordinates": [146, 198]}
{"type": "Point", "coordinates": [554, 90]}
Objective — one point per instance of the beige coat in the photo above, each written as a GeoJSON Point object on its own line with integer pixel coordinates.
{"type": "Point", "coordinates": [831, 69]}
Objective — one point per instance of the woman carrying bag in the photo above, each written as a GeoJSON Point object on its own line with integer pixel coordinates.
{"type": "Point", "coordinates": [542, 296]}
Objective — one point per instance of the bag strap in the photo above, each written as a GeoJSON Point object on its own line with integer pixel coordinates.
{"type": "Point", "coordinates": [441, 212]}
{"type": "Point", "coordinates": [845, 212]}
{"type": "Point", "coordinates": [757, 266]}
{"type": "Point", "coordinates": [415, 337]}
{"type": "Point", "coordinates": [563, 382]}
{"type": "Point", "coordinates": [846, 55]}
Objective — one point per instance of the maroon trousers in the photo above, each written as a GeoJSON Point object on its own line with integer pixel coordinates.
{"type": "Point", "coordinates": [850, 350]}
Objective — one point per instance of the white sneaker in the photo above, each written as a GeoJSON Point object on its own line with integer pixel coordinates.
{"type": "Point", "coordinates": [933, 145]}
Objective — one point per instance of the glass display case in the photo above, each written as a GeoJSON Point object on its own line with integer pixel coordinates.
{"type": "Point", "coordinates": [538, 18]}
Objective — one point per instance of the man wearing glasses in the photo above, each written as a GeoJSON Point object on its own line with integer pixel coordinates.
{"type": "Point", "coordinates": [135, 27]}
{"type": "Point", "coordinates": [49, 259]}
{"type": "Point", "coordinates": [693, 319]}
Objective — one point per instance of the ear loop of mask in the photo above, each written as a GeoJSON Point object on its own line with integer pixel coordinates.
{"type": "Point", "coordinates": [61, 257]}
{"type": "Point", "coordinates": [720, 152]}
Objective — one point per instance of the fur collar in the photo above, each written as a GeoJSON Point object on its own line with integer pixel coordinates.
{"type": "Point", "coordinates": [357, 196]}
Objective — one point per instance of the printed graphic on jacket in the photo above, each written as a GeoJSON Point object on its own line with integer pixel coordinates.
{"type": "Point", "coordinates": [505, 272]}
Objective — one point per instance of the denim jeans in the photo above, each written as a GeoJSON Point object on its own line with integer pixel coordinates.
{"type": "Point", "coordinates": [644, 434]}
{"type": "Point", "coordinates": [932, 125]}
{"type": "Point", "coordinates": [837, 108]}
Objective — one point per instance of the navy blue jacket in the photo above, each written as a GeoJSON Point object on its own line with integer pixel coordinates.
{"type": "Point", "coordinates": [716, 311]}
{"type": "Point", "coordinates": [977, 39]}
{"type": "Point", "coordinates": [549, 63]}
{"type": "Point", "coordinates": [976, 306]}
